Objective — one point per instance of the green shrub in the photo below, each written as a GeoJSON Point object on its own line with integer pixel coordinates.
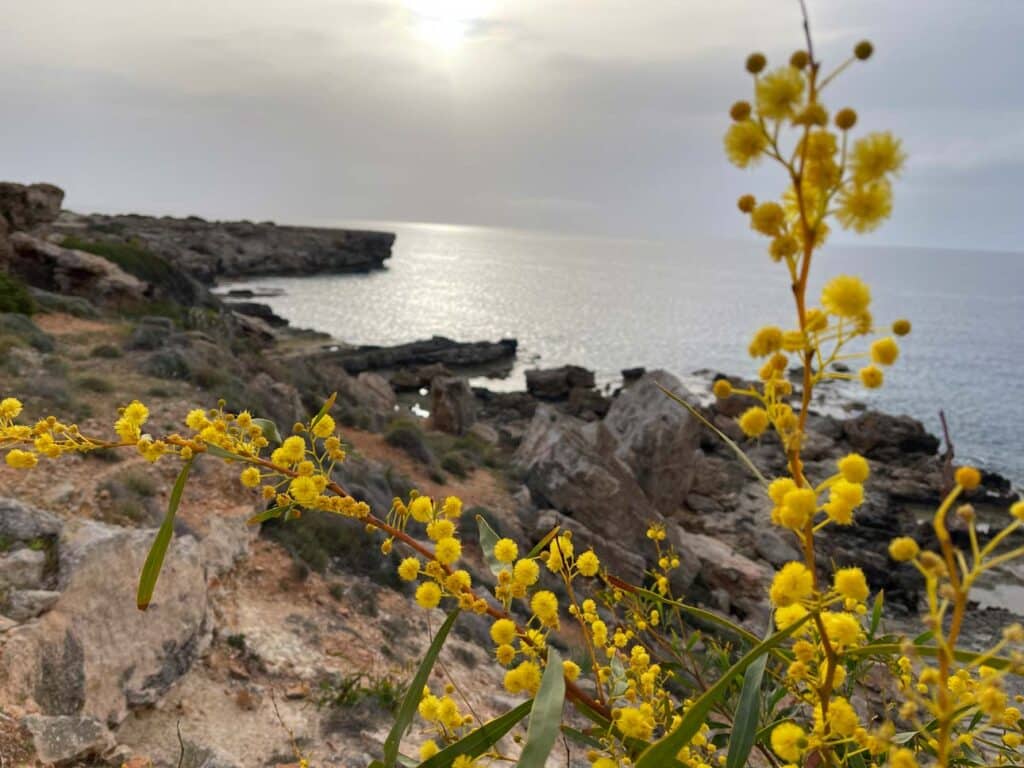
{"type": "Point", "coordinates": [108, 351]}
{"type": "Point", "coordinates": [408, 436]}
{"type": "Point", "coordinates": [14, 296]}
{"type": "Point", "coordinates": [95, 384]}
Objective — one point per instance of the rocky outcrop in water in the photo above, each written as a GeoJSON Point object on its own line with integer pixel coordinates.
{"type": "Point", "coordinates": [209, 250]}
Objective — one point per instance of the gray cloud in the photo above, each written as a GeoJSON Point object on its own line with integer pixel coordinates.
{"type": "Point", "coordinates": [594, 116]}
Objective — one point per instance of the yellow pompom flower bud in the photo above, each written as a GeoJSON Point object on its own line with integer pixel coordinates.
{"type": "Point", "coordinates": [871, 376]}
{"type": "Point", "coordinates": [845, 296]}
{"type": "Point", "coordinates": [798, 508]}
{"type": "Point", "coordinates": [428, 749]}
{"type": "Point", "coordinates": [250, 477]}
{"type": "Point", "coordinates": [816, 320]}
{"type": "Point", "coordinates": [778, 93]}
{"type": "Point", "coordinates": [854, 468]}
{"type": "Point", "coordinates": [448, 550]}
{"type": "Point", "coordinates": [783, 247]}
{"type": "Point", "coordinates": [722, 389]}
{"type": "Point", "coordinates": [874, 156]}
{"type": "Point", "coordinates": [863, 50]}
{"type": "Point", "coordinates": [754, 421]}
{"type": "Point", "coordinates": [766, 341]}
{"type": "Point", "coordinates": [884, 351]}
{"type": "Point", "coordinates": [428, 595]}
{"type": "Point", "coordinates": [863, 207]}
{"type": "Point", "coordinates": [788, 741]}
{"type": "Point", "coordinates": [740, 110]}
{"type": "Point", "coordinates": [745, 141]}
{"type": "Point", "coordinates": [293, 449]}
{"type": "Point", "coordinates": [304, 490]}
{"type": "Point", "coordinates": [503, 632]}
{"type": "Point", "coordinates": [791, 584]}
{"type": "Point", "coordinates": [846, 118]}
{"type": "Point", "coordinates": [409, 569]}
{"type": "Point", "coordinates": [440, 529]}
{"type": "Point", "coordinates": [968, 477]}
{"type": "Point", "coordinates": [19, 459]}
{"type": "Point", "coordinates": [799, 59]}
{"type": "Point", "coordinates": [903, 549]}
{"type": "Point", "coordinates": [901, 327]}
{"type": "Point", "coordinates": [544, 605]}
{"type": "Point", "coordinates": [768, 219]}
{"type": "Point", "coordinates": [452, 507]}
{"type": "Point", "coordinates": [746, 203]}
{"type": "Point", "coordinates": [756, 63]}
{"type": "Point", "coordinates": [588, 564]}
{"type": "Point", "coordinates": [506, 551]}
{"type": "Point", "coordinates": [571, 670]}
{"type": "Point", "coordinates": [324, 427]}
{"type": "Point", "coordinates": [1017, 510]}
{"type": "Point", "coordinates": [851, 584]}
{"type": "Point", "coordinates": [526, 572]}
{"type": "Point", "coordinates": [10, 407]}
{"type": "Point", "coordinates": [422, 509]}
{"type": "Point", "coordinates": [901, 757]}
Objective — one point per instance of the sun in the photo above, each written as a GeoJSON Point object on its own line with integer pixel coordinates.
{"type": "Point", "coordinates": [445, 24]}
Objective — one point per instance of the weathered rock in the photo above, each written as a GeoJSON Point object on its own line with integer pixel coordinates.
{"type": "Point", "coordinates": [657, 439]}
{"type": "Point", "coordinates": [225, 542]}
{"type": "Point", "coordinates": [94, 653]}
{"type": "Point", "coordinates": [21, 522]}
{"type": "Point", "coordinates": [149, 333]}
{"type": "Point", "coordinates": [417, 377]}
{"type": "Point", "coordinates": [555, 383]}
{"type": "Point", "coordinates": [274, 400]}
{"type": "Point", "coordinates": [25, 604]}
{"type": "Point", "coordinates": [64, 739]}
{"type": "Point", "coordinates": [22, 569]}
{"type": "Point", "coordinates": [452, 405]}
{"type": "Point", "coordinates": [886, 438]}
{"type": "Point", "coordinates": [55, 302]}
{"type": "Point", "coordinates": [437, 349]}
{"type": "Point", "coordinates": [208, 250]}
{"type": "Point", "coordinates": [484, 433]}
{"type": "Point", "coordinates": [572, 467]}
{"type": "Point", "coordinates": [723, 569]}
{"type": "Point", "coordinates": [588, 404]}
{"type": "Point", "coordinates": [61, 270]}
{"type": "Point", "coordinates": [632, 375]}
{"type": "Point", "coordinates": [258, 310]}
{"type": "Point", "coordinates": [27, 206]}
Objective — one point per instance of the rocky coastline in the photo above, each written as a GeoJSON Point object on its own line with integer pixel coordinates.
{"type": "Point", "coordinates": [257, 627]}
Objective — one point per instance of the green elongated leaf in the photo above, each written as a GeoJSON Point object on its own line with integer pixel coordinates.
{"type": "Point", "coordinates": [664, 750]}
{"type": "Point", "coordinates": [270, 430]}
{"type": "Point", "coordinates": [893, 649]}
{"type": "Point", "coordinates": [541, 545]}
{"type": "Point", "coordinates": [876, 614]}
{"type": "Point", "coordinates": [582, 738]}
{"type": "Point", "coordinates": [155, 558]}
{"type": "Point", "coordinates": [748, 714]}
{"type": "Point", "coordinates": [736, 449]}
{"type": "Point", "coordinates": [488, 538]}
{"type": "Point", "coordinates": [220, 453]}
{"type": "Point", "coordinates": [480, 740]}
{"type": "Point", "coordinates": [619, 681]}
{"type": "Point", "coordinates": [415, 692]}
{"type": "Point", "coordinates": [545, 715]}
{"type": "Point", "coordinates": [267, 514]}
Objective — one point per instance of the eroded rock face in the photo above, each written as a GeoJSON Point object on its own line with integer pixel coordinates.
{"type": "Point", "coordinates": [884, 437]}
{"type": "Point", "coordinates": [657, 439]}
{"type": "Point", "coordinates": [28, 205]}
{"type": "Point", "coordinates": [452, 405]}
{"type": "Point", "coordinates": [556, 383]}
{"type": "Point", "coordinates": [63, 739]}
{"type": "Point", "coordinates": [93, 653]}
{"type": "Point", "coordinates": [62, 270]}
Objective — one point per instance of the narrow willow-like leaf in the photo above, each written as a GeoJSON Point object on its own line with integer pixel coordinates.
{"type": "Point", "coordinates": [155, 558]}
{"type": "Point", "coordinates": [736, 449]}
{"type": "Point", "coordinates": [541, 545]}
{"type": "Point", "coordinates": [480, 740]}
{"type": "Point", "coordinates": [267, 514]}
{"type": "Point", "coordinates": [581, 737]}
{"type": "Point", "coordinates": [545, 715]}
{"type": "Point", "coordinates": [662, 751]}
{"type": "Point", "coordinates": [328, 404]}
{"type": "Point", "coordinates": [488, 538]}
{"type": "Point", "coordinates": [220, 453]}
{"type": "Point", "coordinates": [748, 714]}
{"type": "Point", "coordinates": [415, 692]}
{"type": "Point", "coordinates": [895, 649]}
{"type": "Point", "coordinates": [270, 430]}
{"type": "Point", "coordinates": [876, 614]}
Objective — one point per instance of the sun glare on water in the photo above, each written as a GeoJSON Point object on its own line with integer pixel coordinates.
{"type": "Point", "coordinates": [445, 24]}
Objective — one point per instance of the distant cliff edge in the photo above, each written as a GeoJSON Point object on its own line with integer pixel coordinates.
{"type": "Point", "coordinates": [210, 250]}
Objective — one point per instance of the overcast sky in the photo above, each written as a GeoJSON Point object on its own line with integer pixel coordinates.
{"type": "Point", "coordinates": [582, 116]}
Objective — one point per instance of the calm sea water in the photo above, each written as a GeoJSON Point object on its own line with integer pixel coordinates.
{"type": "Point", "coordinates": [612, 304]}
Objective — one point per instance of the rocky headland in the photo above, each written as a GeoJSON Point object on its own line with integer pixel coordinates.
{"type": "Point", "coordinates": [267, 639]}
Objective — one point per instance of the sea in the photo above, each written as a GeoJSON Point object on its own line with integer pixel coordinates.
{"type": "Point", "coordinates": [686, 306]}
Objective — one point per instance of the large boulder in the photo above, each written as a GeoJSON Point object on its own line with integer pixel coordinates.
{"type": "Point", "coordinates": [657, 439]}
{"type": "Point", "coordinates": [452, 405]}
{"type": "Point", "coordinates": [572, 466]}
{"type": "Point", "coordinates": [27, 206]}
{"type": "Point", "coordinates": [557, 383]}
{"type": "Point", "coordinates": [64, 740]}
{"type": "Point", "coordinates": [94, 654]}
{"type": "Point", "coordinates": [889, 438]}
{"type": "Point", "coordinates": [62, 270]}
